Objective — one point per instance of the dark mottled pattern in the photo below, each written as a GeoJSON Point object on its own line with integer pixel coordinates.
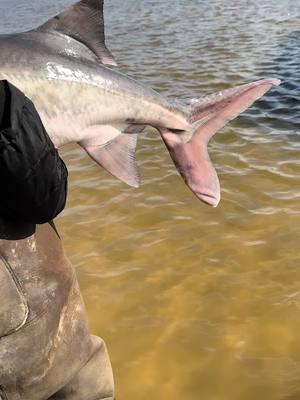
{"type": "Point", "coordinates": [194, 302]}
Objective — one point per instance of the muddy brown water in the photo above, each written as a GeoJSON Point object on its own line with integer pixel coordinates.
{"type": "Point", "coordinates": [196, 303]}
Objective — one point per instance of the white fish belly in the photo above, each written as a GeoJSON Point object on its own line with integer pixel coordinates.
{"type": "Point", "coordinates": [67, 108]}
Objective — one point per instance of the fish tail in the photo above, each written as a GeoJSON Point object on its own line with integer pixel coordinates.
{"type": "Point", "coordinates": [188, 149]}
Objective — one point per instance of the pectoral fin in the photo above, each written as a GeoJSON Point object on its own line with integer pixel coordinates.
{"type": "Point", "coordinates": [117, 156]}
{"type": "Point", "coordinates": [84, 22]}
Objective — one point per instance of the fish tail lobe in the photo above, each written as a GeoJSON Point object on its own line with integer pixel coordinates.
{"type": "Point", "coordinates": [206, 116]}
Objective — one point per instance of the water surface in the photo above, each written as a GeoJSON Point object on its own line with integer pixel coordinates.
{"type": "Point", "coordinates": [196, 303]}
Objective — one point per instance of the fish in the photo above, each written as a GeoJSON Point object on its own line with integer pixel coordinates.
{"type": "Point", "coordinates": [66, 69]}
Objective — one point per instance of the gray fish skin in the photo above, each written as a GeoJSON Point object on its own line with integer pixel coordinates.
{"type": "Point", "coordinates": [59, 67]}
{"type": "Point", "coordinates": [71, 91]}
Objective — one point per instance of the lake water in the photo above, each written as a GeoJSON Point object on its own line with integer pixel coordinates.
{"type": "Point", "coordinates": [193, 302]}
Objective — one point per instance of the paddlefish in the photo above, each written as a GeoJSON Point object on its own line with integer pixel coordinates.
{"type": "Point", "coordinates": [63, 66]}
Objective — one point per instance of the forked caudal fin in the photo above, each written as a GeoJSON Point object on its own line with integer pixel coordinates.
{"type": "Point", "coordinates": [189, 150]}
{"type": "Point", "coordinates": [83, 22]}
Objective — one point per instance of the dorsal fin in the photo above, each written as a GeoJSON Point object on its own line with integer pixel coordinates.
{"type": "Point", "coordinates": [84, 22]}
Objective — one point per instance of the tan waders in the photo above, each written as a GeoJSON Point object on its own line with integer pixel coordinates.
{"type": "Point", "coordinates": [46, 351]}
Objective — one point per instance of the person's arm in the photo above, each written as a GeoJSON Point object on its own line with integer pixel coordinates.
{"type": "Point", "coordinates": [33, 177]}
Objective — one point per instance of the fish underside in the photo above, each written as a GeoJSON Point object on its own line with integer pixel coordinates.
{"type": "Point", "coordinates": [60, 66]}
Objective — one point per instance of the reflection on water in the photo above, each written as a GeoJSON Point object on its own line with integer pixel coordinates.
{"type": "Point", "coordinates": [199, 303]}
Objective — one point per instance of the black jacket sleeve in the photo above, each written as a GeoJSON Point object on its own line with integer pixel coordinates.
{"type": "Point", "coordinates": [33, 177]}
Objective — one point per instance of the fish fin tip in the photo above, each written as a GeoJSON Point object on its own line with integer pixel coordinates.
{"type": "Point", "coordinates": [211, 113]}
{"type": "Point", "coordinates": [195, 167]}
{"type": "Point", "coordinates": [108, 60]}
{"type": "Point", "coordinates": [84, 22]}
{"type": "Point", "coordinates": [276, 82]}
{"type": "Point", "coordinates": [117, 157]}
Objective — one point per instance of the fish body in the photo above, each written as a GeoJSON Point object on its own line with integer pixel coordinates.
{"type": "Point", "coordinates": [72, 91]}
{"type": "Point", "coordinates": [60, 66]}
